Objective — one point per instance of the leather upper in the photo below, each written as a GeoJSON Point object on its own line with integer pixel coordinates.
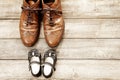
{"type": "Point", "coordinates": [29, 22]}
{"type": "Point", "coordinates": [53, 22]}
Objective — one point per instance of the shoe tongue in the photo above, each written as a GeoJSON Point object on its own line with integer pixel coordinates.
{"type": "Point", "coordinates": [31, 2]}
{"type": "Point", "coordinates": [49, 4]}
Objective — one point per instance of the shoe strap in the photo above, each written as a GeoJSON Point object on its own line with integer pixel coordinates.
{"type": "Point", "coordinates": [47, 63]}
{"type": "Point", "coordinates": [33, 62]}
{"type": "Point", "coordinates": [36, 62]}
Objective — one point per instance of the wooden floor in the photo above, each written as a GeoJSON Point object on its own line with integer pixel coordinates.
{"type": "Point", "coordinates": [90, 49]}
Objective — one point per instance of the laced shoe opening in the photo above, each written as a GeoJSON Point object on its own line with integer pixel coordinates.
{"type": "Point", "coordinates": [31, 1]}
{"type": "Point", "coordinates": [49, 1]}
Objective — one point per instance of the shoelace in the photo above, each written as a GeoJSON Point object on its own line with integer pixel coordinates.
{"type": "Point", "coordinates": [49, 11]}
{"type": "Point", "coordinates": [30, 12]}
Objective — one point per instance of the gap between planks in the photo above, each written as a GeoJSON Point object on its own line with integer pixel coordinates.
{"type": "Point", "coordinates": [68, 49]}
{"type": "Point", "coordinates": [64, 18]}
{"type": "Point", "coordinates": [84, 59]}
{"type": "Point", "coordinates": [79, 8]}
{"type": "Point", "coordinates": [65, 69]}
{"type": "Point", "coordinates": [74, 28]}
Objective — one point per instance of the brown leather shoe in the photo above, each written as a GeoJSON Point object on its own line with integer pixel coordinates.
{"type": "Point", "coordinates": [29, 22]}
{"type": "Point", "coordinates": [53, 22]}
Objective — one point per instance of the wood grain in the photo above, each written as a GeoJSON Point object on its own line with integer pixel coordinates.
{"type": "Point", "coordinates": [68, 49]}
{"type": "Point", "coordinates": [90, 49]}
{"type": "Point", "coordinates": [65, 70]}
{"type": "Point", "coordinates": [78, 9]}
{"type": "Point", "coordinates": [74, 28]}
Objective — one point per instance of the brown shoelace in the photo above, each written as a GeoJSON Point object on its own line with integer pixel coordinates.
{"type": "Point", "coordinates": [50, 17]}
{"type": "Point", "coordinates": [30, 12]}
{"type": "Point", "coordinates": [48, 10]}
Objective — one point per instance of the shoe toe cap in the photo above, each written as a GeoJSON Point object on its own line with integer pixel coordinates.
{"type": "Point", "coordinates": [53, 39]}
{"type": "Point", "coordinates": [29, 40]}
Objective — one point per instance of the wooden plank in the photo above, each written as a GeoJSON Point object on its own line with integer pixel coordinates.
{"type": "Point", "coordinates": [65, 70]}
{"type": "Point", "coordinates": [74, 28]}
{"type": "Point", "coordinates": [68, 49]}
{"type": "Point", "coordinates": [71, 8]}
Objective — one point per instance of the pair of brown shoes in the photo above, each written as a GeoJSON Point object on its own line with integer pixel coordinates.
{"type": "Point", "coordinates": [52, 20]}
